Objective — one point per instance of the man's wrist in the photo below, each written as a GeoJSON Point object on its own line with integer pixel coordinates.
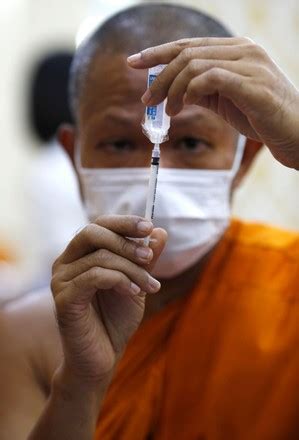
{"type": "Point", "coordinates": [72, 409]}
{"type": "Point", "coordinates": [71, 389]}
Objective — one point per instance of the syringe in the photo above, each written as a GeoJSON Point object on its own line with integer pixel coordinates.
{"type": "Point", "coordinates": [152, 187]}
{"type": "Point", "coordinates": [155, 126]}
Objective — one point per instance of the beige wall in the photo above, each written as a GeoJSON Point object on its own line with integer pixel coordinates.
{"type": "Point", "coordinates": [28, 26]}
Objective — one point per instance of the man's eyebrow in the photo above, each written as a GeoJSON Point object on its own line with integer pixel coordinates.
{"type": "Point", "coordinates": [182, 118]}
{"type": "Point", "coordinates": [119, 118]}
{"type": "Point", "coordinates": [201, 119]}
{"type": "Point", "coordinates": [127, 118]}
{"type": "Point", "coordinates": [198, 120]}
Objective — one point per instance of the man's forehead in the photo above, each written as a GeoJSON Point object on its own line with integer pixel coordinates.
{"type": "Point", "coordinates": [111, 82]}
{"type": "Point", "coordinates": [111, 72]}
{"type": "Point", "coordinates": [113, 96]}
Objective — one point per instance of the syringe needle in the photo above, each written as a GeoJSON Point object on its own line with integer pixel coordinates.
{"type": "Point", "coordinates": [152, 187]}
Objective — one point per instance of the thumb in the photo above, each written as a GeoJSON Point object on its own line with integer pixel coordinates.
{"type": "Point", "coordinates": [157, 243]}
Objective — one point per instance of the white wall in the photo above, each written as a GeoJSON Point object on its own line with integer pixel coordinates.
{"type": "Point", "coordinates": [28, 27]}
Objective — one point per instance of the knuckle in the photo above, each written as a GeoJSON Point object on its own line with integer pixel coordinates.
{"type": "Point", "coordinates": [260, 51]}
{"type": "Point", "coordinates": [182, 43]}
{"type": "Point", "coordinates": [204, 41]}
{"type": "Point", "coordinates": [125, 247]}
{"type": "Point", "coordinates": [246, 41]}
{"type": "Point", "coordinates": [192, 88]}
{"type": "Point", "coordinates": [57, 276]}
{"type": "Point", "coordinates": [264, 75]}
{"type": "Point", "coordinates": [253, 49]}
{"type": "Point", "coordinates": [186, 55]}
{"type": "Point", "coordinates": [54, 285]}
{"type": "Point", "coordinates": [93, 231]}
{"type": "Point", "coordinates": [268, 97]}
{"type": "Point", "coordinates": [88, 231]}
{"type": "Point", "coordinates": [193, 67]}
{"type": "Point", "coordinates": [103, 255]}
{"type": "Point", "coordinates": [55, 265]}
{"type": "Point", "coordinates": [247, 50]}
{"type": "Point", "coordinates": [215, 75]}
{"type": "Point", "coordinates": [134, 219]}
{"type": "Point", "coordinates": [76, 283]}
{"type": "Point", "coordinates": [120, 279]}
{"type": "Point", "coordinates": [93, 274]}
{"type": "Point", "coordinates": [99, 219]}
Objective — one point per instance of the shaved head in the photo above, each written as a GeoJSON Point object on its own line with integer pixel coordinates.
{"type": "Point", "coordinates": [135, 29]}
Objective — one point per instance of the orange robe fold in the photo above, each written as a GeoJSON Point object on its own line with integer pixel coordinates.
{"type": "Point", "coordinates": [222, 363]}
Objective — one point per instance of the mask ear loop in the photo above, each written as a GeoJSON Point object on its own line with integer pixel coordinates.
{"type": "Point", "coordinates": [239, 154]}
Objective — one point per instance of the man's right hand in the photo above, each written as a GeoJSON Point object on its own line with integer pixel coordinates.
{"type": "Point", "coordinates": [99, 286]}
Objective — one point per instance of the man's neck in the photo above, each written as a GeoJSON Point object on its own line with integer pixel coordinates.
{"type": "Point", "coordinates": [174, 288]}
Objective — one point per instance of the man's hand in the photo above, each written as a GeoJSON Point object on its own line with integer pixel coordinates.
{"type": "Point", "coordinates": [235, 78]}
{"type": "Point", "coordinates": [99, 285]}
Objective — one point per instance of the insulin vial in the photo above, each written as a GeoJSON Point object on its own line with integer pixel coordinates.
{"type": "Point", "coordinates": [156, 122]}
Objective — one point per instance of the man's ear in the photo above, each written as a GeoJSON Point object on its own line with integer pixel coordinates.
{"type": "Point", "coordinates": [252, 147]}
{"type": "Point", "coordinates": [66, 137]}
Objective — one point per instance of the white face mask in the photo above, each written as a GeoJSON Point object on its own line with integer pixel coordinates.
{"type": "Point", "coordinates": [193, 206]}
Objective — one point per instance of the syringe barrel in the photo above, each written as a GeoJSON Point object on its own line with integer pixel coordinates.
{"type": "Point", "coordinates": [156, 121]}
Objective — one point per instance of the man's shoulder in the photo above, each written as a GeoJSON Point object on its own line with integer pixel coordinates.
{"type": "Point", "coordinates": [29, 332]}
{"type": "Point", "coordinates": [261, 237]}
{"type": "Point", "coordinates": [29, 312]}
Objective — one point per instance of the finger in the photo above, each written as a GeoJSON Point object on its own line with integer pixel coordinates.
{"type": "Point", "coordinates": [107, 260]}
{"type": "Point", "coordinates": [82, 288]}
{"type": "Point", "coordinates": [165, 53]}
{"type": "Point", "coordinates": [194, 69]}
{"type": "Point", "coordinates": [158, 90]}
{"type": "Point", "coordinates": [94, 237]}
{"type": "Point", "coordinates": [158, 241]}
{"type": "Point", "coordinates": [217, 80]}
{"type": "Point", "coordinates": [127, 225]}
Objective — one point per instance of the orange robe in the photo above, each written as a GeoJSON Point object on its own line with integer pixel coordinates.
{"type": "Point", "coordinates": [223, 363]}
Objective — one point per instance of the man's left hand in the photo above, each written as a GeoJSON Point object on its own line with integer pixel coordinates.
{"type": "Point", "coordinates": [235, 78]}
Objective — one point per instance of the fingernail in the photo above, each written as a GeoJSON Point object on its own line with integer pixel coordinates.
{"type": "Point", "coordinates": [168, 109]}
{"type": "Point", "coordinates": [173, 110]}
{"type": "Point", "coordinates": [154, 284]}
{"type": "Point", "coordinates": [134, 58]}
{"type": "Point", "coordinates": [134, 289]}
{"type": "Point", "coordinates": [146, 97]}
{"type": "Point", "coordinates": [144, 226]}
{"type": "Point", "coordinates": [143, 252]}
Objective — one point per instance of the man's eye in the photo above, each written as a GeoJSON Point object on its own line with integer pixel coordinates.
{"type": "Point", "coordinates": [116, 146]}
{"type": "Point", "coordinates": [192, 145]}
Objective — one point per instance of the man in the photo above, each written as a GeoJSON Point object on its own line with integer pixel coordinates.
{"type": "Point", "coordinates": [214, 354]}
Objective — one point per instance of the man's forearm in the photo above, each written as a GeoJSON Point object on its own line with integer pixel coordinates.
{"type": "Point", "coordinates": [71, 412]}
